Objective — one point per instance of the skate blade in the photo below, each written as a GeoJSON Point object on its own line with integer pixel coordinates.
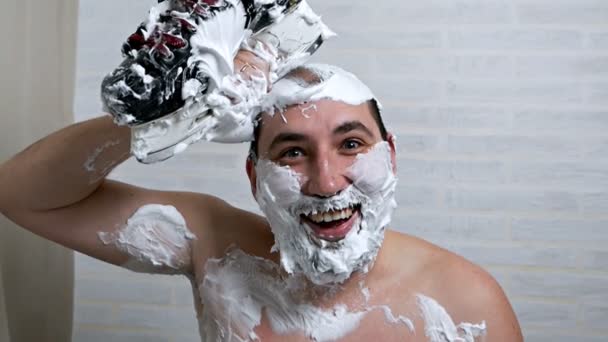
{"type": "Point", "coordinates": [162, 138]}
{"type": "Point", "coordinates": [295, 37]}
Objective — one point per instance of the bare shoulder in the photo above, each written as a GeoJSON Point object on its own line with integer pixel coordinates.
{"type": "Point", "coordinates": [218, 225]}
{"type": "Point", "coordinates": [474, 295]}
{"type": "Point", "coordinates": [466, 291]}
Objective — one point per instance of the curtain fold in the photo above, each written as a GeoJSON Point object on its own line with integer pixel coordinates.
{"type": "Point", "coordinates": [37, 71]}
{"type": "Point", "coordinates": [3, 318]}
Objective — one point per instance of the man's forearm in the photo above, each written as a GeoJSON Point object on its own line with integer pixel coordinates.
{"type": "Point", "coordinates": [64, 167]}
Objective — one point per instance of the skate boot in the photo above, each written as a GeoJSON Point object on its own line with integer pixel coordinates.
{"type": "Point", "coordinates": [177, 85]}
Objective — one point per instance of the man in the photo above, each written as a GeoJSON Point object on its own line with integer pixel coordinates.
{"type": "Point", "coordinates": [321, 266]}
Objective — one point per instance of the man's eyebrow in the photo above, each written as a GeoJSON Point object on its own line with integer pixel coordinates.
{"type": "Point", "coordinates": [352, 126]}
{"type": "Point", "coordinates": [286, 137]}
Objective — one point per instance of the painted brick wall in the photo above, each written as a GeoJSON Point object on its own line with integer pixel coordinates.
{"type": "Point", "coordinates": [501, 112]}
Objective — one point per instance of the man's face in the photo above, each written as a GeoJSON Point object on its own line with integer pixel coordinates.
{"type": "Point", "coordinates": [320, 141]}
{"type": "Point", "coordinates": [325, 180]}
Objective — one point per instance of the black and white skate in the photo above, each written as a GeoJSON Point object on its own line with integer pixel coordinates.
{"type": "Point", "coordinates": [147, 86]}
{"type": "Point", "coordinates": [148, 82]}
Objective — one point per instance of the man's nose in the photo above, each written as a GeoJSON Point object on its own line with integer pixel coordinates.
{"type": "Point", "coordinates": [326, 178]}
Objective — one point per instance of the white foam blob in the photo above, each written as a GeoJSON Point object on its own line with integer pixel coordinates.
{"type": "Point", "coordinates": [215, 43]}
{"type": "Point", "coordinates": [329, 82]}
{"type": "Point", "coordinates": [439, 326]}
{"type": "Point", "coordinates": [323, 262]}
{"type": "Point", "coordinates": [157, 239]}
{"type": "Point", "coordinates": [239, 288]}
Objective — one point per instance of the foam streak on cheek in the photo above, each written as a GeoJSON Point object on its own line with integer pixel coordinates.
{"type": "Point", "coordinates": [372, 173]}
{"type": "Point", "coordinates": [370, 170]}
{"type": "Point", "coordinates": [280, 182]}
{"type": "Point", "coordinates": [302, 252]}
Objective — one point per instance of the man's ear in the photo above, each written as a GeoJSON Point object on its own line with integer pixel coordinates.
{"type": "Point", "coordinates": [391, 142]}
{"type": "Point", "coordinates": [250, 168]}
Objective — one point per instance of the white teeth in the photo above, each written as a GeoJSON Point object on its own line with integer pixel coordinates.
{"type": "Point", "coordinates": [330, 216]}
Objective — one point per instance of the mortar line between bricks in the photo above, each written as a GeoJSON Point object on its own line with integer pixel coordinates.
{"type": "Point", "coordinates": [463, 212]}
{"type": "Point", "coordinates": [121, 328]}
{"type": "Point", "coordinates": [513, 214]}
{"type": "Point", "coordinates": [502, 133]}
{"type": "Point", "coordinates": [538, 244]}
{"type": "Point", "coordinates": [579, 314]}
{"type": "Point", "coordinates": [379, 27]}
{"type": "Point", "coordinates": [544, 300]}
{"type": "Point", "coordinates": [588, 332]}
{"type": "Point", "coordinates": [120, 303]}
{"type": "Point", "coordinates": [445, 156]}
{"type": "Point", "coordinates": [461, 51]}
{"type": "Point", "coordinates": [137, 278]}
{"type": "Point", "coordinates": [565, 332]}
{"type": "Point", "coordinates": [476, 105]}
{"type": "Point", "coordinates": [507, 187]}
{"type": "Point", "coordinates": [551, 271]}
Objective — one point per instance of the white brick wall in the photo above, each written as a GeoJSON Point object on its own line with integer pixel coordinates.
{"type": "Point", "coordinates": [501, 112]}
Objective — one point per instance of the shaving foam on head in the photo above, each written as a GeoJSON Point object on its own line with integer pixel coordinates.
{"type": "Point", "coordinates": [439, 326]}
{"type": "Point", "coordinates": [157, 239]}
{"type": "Point", "coordinates": [324, 262]}
{"type": "Point", "coordinates": [233, 102]}
{"type": "Point", "coordinates": [313, 82]}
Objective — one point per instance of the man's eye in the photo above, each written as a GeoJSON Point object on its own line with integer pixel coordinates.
{"type": "Point", "coordinates": [351, 144]}
{"type": "Point", "coordinates": [294, 152]}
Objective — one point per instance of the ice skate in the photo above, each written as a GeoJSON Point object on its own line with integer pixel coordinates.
{"type": "Point", "coordinates": [177, 61]}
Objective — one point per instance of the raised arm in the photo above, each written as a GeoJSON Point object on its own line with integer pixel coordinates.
{"type": "Point", "coordinates": [57, 189]}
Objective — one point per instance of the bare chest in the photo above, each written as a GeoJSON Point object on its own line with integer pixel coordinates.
{"type": "Point", "coordinates": [373, 327]}
{"type": "Point", "coordinates": [244, 298]}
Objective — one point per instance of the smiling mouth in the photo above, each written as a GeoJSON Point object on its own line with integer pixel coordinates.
{"type": "Point", "coordinates": [332, 225]}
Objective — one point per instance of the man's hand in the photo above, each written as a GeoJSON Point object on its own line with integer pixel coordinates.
{"type": "Point", "coordinates": [247, 64]}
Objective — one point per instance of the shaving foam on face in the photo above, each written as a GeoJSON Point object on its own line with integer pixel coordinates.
{"type": "Point", "coordinates": [157, 239]}
{"type": "Point", "coordinates": [440, 327]}
{"type": "Point", "coordinates": [301, 251]}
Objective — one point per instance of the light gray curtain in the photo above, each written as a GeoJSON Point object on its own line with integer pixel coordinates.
{"type": "Point", "coordinates": [37, 67]}
{"type": "Point", "coordinates": [3, 318]}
